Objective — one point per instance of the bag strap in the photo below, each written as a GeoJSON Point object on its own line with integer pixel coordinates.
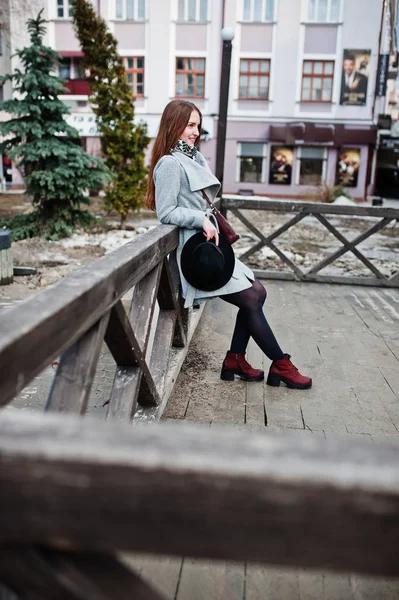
{"type": "Point", "coordinates": [207, 199]}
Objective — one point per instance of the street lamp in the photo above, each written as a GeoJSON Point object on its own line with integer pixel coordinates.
{"type": "Point", "coordinates": [227, 37]}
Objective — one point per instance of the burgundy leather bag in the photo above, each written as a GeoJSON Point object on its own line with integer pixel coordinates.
{"type": "Point", "coordinates": [224, 226]}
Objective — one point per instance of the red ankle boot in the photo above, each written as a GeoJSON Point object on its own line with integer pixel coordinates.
{"type": "Point", "coordinates": [284, 370]}
{"type": "Point", "coordinates": [235, 364]}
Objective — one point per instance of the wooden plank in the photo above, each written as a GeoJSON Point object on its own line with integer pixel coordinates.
{"type": "Point", "coordinates": [125, 349]}
{"type": "Point", "coordinates": [344, 279]}
{"type": "Point", "coordinates": [118, 337]}
{"type": "Point", "coordinates": [259, 203]}
{"type": "Point", "coordinates": [168, 299]}
{"type": "Point", "coordinates": [81, 299]}
{"type": "Point", "coordinates": [202, 580]}
{"type": "Point", "coordinates": [124, 393]}
{"type": "Point", "coordinates": [244, 497]}
{"type": "Point", "coordinates": [160, 355]}
{"type": "Point", "coordinates": [44, 574]}
{"type": "Point", "coordinates": [162, 572]}
{"type": "Point", "coordinates": [73, 381]}
{"type": "Point", "coordinates": [142, 306]}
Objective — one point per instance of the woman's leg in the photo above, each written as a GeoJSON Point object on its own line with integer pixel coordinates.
{"type": "Point", "coordinates": [251, 322]}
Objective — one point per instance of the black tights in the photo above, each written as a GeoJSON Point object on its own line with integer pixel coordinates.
{"type": "Point", "coordinates": [251, 322]}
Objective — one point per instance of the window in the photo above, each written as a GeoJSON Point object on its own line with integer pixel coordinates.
{"type": "Point", "coordinates": [190, 77]}
{"type": "Point", "coordinates": [258, 11]}
{"type": "Point", "coordinates": [71, 68]}
{"type": "Point", "coordinates": [64, 9]}
{"type": "Point", "coordinates": [1, 40]}
{"type": "Point", "coordinates": [134, 67]}
{"type": "Point", "coordinates": [312, 161]}
{"type": "Point", "coordinates": [254, 78]}
{"type": "Point", "coordinates": [130, 10]}
{"type": "Point", "coordinates": [1, 93]}
{"type": "Point", "coordinates": [317, 80]}
{"type": "Point", "coordinates": [251, 159]}
{"type": "Point", "coordinates": [323, 11]}
{"type": "Point", "coordinates": [193, 10]}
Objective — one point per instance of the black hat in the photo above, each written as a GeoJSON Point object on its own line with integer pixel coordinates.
{"type": "Point", "coordinates": [206, 266]}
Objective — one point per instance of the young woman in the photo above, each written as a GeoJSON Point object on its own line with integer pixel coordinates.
{"type": "Point", "coordinates": [178, 174]}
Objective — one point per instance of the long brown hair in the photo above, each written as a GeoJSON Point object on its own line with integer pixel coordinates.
{"type": "Point", "coordinates": [174, 120]}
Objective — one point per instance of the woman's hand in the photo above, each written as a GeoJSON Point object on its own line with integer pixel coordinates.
{"type": "Point", "coordinates": [210, 231]}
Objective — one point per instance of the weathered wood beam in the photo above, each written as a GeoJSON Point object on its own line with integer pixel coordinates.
{"type": "Point", "coordinates": [39, 573]}
{"type": "Point", "coordinates": [285, 206]}
{"type": "Point", "coordinates": [225, 494]}
{"type": "Point", "coordinates": [126, 351]}
{"type": "Point", "coordinates": [79, 300]}
{"type": "Point", "coordinates": [168, 299]}
{"type": "Point", "coordinates": [70, 391]}
{"type": "Point", "coordinates": [143, 304]}
{"type": "Point", "coordinates": [343, 279]}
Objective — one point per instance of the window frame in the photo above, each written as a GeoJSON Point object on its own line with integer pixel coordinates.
{"type": "Point", "coordinates": [134, 71]}
{"type": "Point", "coordinates": [187, 72]}
{"type": "Point", "coordinates": [185, 19]}
{"type": "Point", "coordinates": [136, 17]}
{"type": "Point", "coordinates": [299, 160]}
{"type": "Point", "coordinates": [66, 7]}
{"type": "Point", "coordinates": [328, 18]}
{"type": "Point", "coordinates": [263, 164]}
{"type": "Point", "coordinates": [251, 19]}
{"type": "Point", "coordinates": [314, 75]}
{"type": "Point", "coordinates": [250, 73]}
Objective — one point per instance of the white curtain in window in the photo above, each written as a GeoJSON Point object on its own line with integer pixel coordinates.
{"type": "Point", "coordinates": [247, 10]}
{"type": "Point", "coordinates": [130, 9]}
{"type": "Point", "coordinates": [269, 11]}
{"type": "Point", "coordinates": [203, 10]}
{"type": "Point", "coordinates": [119, 9]}
{"type": "Point", "coordinates": [191, 10]}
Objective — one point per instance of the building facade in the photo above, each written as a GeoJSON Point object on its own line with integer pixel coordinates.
{"type": "Point", "coordinates": [302, 107]}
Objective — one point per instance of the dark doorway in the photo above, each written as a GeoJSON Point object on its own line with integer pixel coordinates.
{"type": "Point", "coordinates": [387, 175]}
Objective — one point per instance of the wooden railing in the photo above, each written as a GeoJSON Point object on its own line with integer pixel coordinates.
{"type": "Point", "coordinates": [75, 317]}
{"type": "Point", "coordinates": [301, 210]}
{"type": "Point", "coordinates": [75, 493]}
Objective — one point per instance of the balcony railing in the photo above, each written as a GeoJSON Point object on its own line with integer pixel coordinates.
{"type": "Point", "coordinates": [78, 87]}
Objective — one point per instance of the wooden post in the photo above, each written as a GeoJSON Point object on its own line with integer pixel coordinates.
{"type": "Point", "coordinates": [6, 269]}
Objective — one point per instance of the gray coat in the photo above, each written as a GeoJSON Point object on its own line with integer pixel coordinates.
{"type": "Point", "coordinates": [179, 180]}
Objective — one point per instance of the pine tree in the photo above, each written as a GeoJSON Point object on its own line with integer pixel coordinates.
{"type": "Point", "coordinates": [123, 142]}
{"type": "Point", "coordinates": [57, 171]}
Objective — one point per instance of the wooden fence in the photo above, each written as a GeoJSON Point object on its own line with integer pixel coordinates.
{"type": "Point", "coordinates": [301, 210]}
{"type": "Point", "coordinates": [74, 318]}
{"type": "Point", "coordinates": [77, 493]}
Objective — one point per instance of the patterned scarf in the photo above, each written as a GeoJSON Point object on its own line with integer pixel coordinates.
{"type": "Point", "coordinates": [190, 151]}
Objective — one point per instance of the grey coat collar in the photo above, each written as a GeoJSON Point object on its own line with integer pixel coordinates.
{"type": "Point", "coordinates": [199, 177]}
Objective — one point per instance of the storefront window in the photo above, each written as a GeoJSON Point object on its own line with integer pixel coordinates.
{"type": "Point", "coordinates": [251, 160]}
{"type": "Point", "coordinates": [312, 161]}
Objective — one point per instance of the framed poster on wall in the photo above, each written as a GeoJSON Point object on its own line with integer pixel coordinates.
{"type": "Point", "coordinates": [281, 160]}
{"type": "Point", "coordinates": [348, 162]}
{"type": "Point", "coordinates": [355, 76]}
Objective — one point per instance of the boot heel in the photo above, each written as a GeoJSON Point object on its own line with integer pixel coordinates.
{"type": "Point", "coordinates": [273, 380]}
{"type": "Point", "coordinates": [227, 375]}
